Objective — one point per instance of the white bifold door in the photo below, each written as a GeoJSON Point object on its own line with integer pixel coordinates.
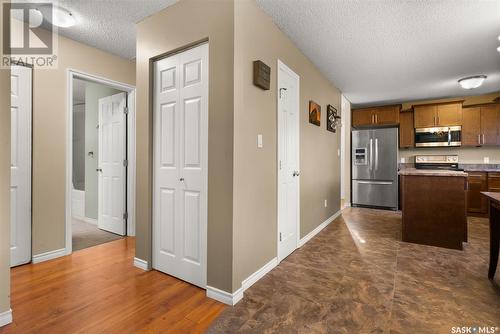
{"type": "Point", "coordinates": [288, 161]}
{"type": "Point", "coordinates": [180, 165]}
{"type": "Point", "coordinates": [20, 167]}
{"type": "Point", "coordinates": [112, 164]}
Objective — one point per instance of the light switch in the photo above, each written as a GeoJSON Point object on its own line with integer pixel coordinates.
{"type": "Point", "coordinates": [259, 141]}
{"type": "Point", "coordinates": [402, 160]}
{"type": "Point", "coordinates": [338, 152]}
{"type": "Point", "coordinates": [326, 203]}
{"type": "Point", "coordinates": [486, 160]}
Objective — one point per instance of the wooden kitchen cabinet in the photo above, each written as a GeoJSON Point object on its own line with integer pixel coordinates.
{"type": "Point", "coordinates": [477, 203]}
{"type": "Point", "coordinates": [490, 125]}
{"type": "Point", "coordinates": [439, 114]}
{"type": "Point", "coordinates": [494, 182]}
{"type": "Point", "coordinates": [406, 129]}
{"type": "Point", "coordinates": [471, 128]}
{"type": "Point", "coordinates": [384, 115]}
{"type": "Point", "coordinates": [425, 116]}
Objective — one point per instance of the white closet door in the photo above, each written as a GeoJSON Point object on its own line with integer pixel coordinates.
{"type": "Point", "coordinates": [112, 170]}
{"type": "Point", "coordinates": [288, 164]}
{"type": "Point", "coordinates": [20, 170]}
{"type": "Point", "coordinates": [180, 165]}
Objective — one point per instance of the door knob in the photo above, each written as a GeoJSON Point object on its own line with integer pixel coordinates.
{"type": "Point", "coordinates": [296, 173]}
{"type": "Point", "coordinates": [98, 170]}
{"type": "Point", "coordinates": [181, 179]}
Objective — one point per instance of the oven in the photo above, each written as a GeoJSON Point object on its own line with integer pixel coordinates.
{"type": "Point", "coordinates": [438, 137]}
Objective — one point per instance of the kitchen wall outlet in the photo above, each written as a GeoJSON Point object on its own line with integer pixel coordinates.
{"type": "Point", "coordinates": [326, 203]}
{"type": "Point", "coordinates": [486, 160]}
{"type": "Point", "coordinates": [402, 160]}
{"type": "Point", "coordinates": [259, 141]}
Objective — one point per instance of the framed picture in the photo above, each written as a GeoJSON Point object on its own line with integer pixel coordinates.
{"type": "Point", "coordinates": [314, 113]}
{"type": "Point", "coordinates": [332, 118]}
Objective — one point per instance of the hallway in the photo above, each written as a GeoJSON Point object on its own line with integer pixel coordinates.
{"type": "Point", "coordinates": [98, 290]}
{"type": "Point", "coordinates": [356, 277]}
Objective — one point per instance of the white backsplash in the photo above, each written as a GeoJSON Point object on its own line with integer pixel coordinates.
{"type": "Point", "coordinates": [469, 155]}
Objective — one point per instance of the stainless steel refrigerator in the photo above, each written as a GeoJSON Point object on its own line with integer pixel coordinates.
{"type": "Point", "coordinates": [375, 168]}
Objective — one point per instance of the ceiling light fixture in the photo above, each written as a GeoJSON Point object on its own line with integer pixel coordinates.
{"type": "Point", "coordinates": [472, 82]}
{"type": "Point", "coordinates": [62, 17]}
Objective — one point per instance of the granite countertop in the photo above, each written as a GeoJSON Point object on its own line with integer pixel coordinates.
{"type": "Point", "coordinates": [495, 197]}
{"type": "Point", "coordinates": [431, 172]}
{"type": "Point", "coordinates": [489, 170]}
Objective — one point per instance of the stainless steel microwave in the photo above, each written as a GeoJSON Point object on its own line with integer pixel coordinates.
{"type": "Point", "coordinates": [439, 136]}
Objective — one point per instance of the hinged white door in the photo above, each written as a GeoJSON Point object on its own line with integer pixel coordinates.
{"type": "Point", "coordinates": [181, 165]}
{"type": "Point", "coordinates": [288, 161]}
{"type": "Point", "coordinates": [112, 167]}
{"type": "Point", "coordinates": [20, 168]}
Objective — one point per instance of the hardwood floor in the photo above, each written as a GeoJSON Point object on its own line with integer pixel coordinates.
{"type": "Point", "coordinates": [98, 290]}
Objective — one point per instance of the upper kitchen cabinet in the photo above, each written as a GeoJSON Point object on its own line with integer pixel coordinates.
{"type": "Point", "coordinates": [406, 129]}
{"type": "Point", "coordinates": [374, 116]}
{"type": "Point", "coordinates": [438, 114]}
{"type": "Point", "coordinates": [490, 125]}
{"type": "Point", "coordinates": [481, 125]}
{"type": "Point", "coordinates": [471, 128]}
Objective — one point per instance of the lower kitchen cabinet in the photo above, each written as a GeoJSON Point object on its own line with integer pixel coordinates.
{"type": "Point", "coordinates": [477, 203]}
{"type": "Point", "coordinates": [494, 182]}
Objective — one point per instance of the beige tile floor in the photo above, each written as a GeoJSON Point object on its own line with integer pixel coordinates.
{"type": "Point", "coordinates": [88, 235]}
{"type": "Point", "coordinates": [357, 277]}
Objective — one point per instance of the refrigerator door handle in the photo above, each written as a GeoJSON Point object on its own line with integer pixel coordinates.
{"type": "Point", "coordinates": [371, 154]}
{"type": "Point", "coordinates": [376, 182]}
{"type": "Point", "coordinates": [376, 153]}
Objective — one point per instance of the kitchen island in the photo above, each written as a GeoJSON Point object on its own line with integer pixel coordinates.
{"type": "Point", "coordinates": [433, 203]}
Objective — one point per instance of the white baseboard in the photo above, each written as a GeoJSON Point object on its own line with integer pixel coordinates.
{"type": "Point", "coordinates": [318, 229]}
{"type": "Point", "coordinates": [5, 318]}
{"type": "Point", "coordinates": [141, 264]}
{"type": "Point", "coordinates": [225, 297]}
{"type": "Point", "coordinates": [90, 220]}
{"type": "Point", "coordinates": [49, 255]}
{"type": "Point", "coordinates": [253, 278]}
{"type": "Point", "coordinates": [233, 298]}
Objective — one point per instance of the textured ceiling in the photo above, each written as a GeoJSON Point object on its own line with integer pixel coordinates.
{"type": "Point", "coordinates": [395, 50]}
{"type": "Point", "coordinates": [109, 24]}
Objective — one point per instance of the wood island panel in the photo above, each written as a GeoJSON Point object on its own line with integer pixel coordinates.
{"type": "Point", "coordinates": [434, 210]}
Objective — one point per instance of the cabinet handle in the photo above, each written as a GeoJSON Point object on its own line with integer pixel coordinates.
{"type": "Point", "coordinates": [479, 139]}
{"type": "Point", "coordinates": [376, 118]}
{"type": "Point", "coordinates": [483, 138]}
{"type": "Point", "coordinates": [437, 120]}
{"type": "Point", "coordinates": [373, 119]}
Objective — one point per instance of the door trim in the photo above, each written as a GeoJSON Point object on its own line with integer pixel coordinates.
{"type": "Point", "coordinates": [131, 156]}
{"type": "Point", "coordinates": [281, 65]}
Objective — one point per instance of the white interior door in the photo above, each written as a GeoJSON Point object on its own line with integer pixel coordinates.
{"type": "Point", "coordinates": [112, 164]}
{"type": "Point", "coordinates": [288, 161]}
{"type": "Point", "coordinates": [181, 165]}
{"type": "Point", "coordinates": [20, 170]}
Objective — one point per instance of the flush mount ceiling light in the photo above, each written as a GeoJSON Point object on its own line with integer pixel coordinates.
{"type": "Point", "coordinates": [472, 82]}
{"type": "Point", "coordinates": [62, 17]}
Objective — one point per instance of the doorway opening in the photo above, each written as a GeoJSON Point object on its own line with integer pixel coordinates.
{"type": "Point", "coordinates": [100, 194]}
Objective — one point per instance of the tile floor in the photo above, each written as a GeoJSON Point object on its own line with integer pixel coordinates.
{"type": "Point", "coordinates": [357, 277]}
{"type": "Point", "coordinates": [87, 235]}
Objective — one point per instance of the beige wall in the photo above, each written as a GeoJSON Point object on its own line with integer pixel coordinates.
{"type": "Point", "coordinates": [255, 170]}
{"type": "Point", "coordinates": [4, 190]}
{"type": "Point", "coordinates": [466, 154]}
{"type": "Point", "coordinates": [182, 24]}
{"type": "Point", "coordinates": [49, 134]}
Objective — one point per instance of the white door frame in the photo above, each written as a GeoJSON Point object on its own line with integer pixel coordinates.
{"type": "Point", "coordinates": [131, 135]}
{"type": "Point", "coordinates": [284, 67]}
